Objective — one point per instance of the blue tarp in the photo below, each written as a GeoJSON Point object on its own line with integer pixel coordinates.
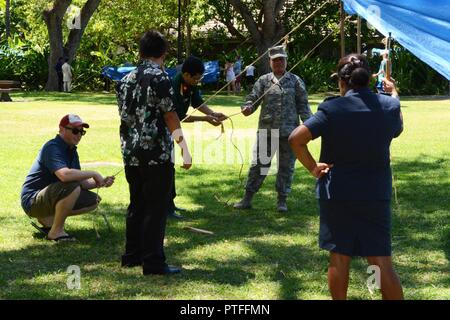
{"type": "Point", "coordinates": [116, 73]}
{"type": "Point", "coordinates": [212, 72]}
{"type": "Point", "coordinates": [172, 72]}
{"type": "Point", "coordinates": [211, 75]}
{"type": "Point", "coordinates": [421, 26]}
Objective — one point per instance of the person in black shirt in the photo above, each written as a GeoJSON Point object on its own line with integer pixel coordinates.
{"type": "Point", "coordinates": [59, 73]}
{"type": "Point", "coordinates": [186, 94]}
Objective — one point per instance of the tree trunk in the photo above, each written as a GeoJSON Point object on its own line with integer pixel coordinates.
{"type": "Point", "coordinates": [54, 21]}
{"type": "Point", "coordinates": [180, 36]}
{"type": "Point", "coordinates": [263, 63]}
{"type": "Point", "coordinates": [266, 34]}
{"type": "Point", "coordinates": [7, 19]}
{"type": "Point", "coordinates": [342, 28]}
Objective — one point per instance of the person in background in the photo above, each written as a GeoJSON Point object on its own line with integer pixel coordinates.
{"type": "Point", "coordinates": [382, 71]}
{"type": "Point", "coordinates": [250, 76]}
{"type": "Point", "coordinates": [59, 73]}
{"type": "Point", "coordinates": [237, 68]}
{"type": "Point", "coordinates": [230, 77]}
{"type": "Point", "coordinates": [67, 75]}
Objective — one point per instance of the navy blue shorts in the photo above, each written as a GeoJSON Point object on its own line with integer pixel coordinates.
{"type": "Point", "coordinates": [355, 228]}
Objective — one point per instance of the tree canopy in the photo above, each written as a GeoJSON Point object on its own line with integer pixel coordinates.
{"type": "Point", "coordinates": [212, 30]}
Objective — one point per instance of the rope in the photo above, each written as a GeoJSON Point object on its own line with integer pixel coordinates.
{"type": "Point", "coordinates": [94, 224]}
{"type": "Point", "coordinates": [388, 76]}
{"type": "Point", "coordinates": [274, 84]}
{"type": "Point", "coordinates": [241, 179]}
{"type": "Point", "coordinates": [285, 39]}
{"type": "Point", "coordinates": [105, 218]}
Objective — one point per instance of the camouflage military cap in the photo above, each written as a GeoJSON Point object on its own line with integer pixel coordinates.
{"type": "Point", "coordinates": [277, 52]}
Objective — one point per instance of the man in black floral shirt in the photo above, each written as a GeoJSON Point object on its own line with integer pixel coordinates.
{"type": "Point", "coordinates": [148, 118]}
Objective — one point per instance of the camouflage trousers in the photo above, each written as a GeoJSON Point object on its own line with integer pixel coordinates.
{"type": "Point", "coordinates": [268, 143]}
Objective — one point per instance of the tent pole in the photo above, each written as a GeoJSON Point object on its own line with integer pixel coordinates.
{"type": "Point", "coordinates": [342, 25]}
{"type": "Point", "coordinates": [358, 40]}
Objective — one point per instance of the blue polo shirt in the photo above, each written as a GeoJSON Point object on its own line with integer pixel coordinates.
{"type": "Point", "coordinates": [54, 155]}
{"type": "Point", "coordinates": [356, 132]}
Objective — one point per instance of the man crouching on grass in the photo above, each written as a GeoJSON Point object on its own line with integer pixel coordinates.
{"type": "Point", "coordinates": [55, 187]}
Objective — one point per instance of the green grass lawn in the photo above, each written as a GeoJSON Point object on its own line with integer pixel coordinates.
{"type": "Point", "coordinates": [256, 254]}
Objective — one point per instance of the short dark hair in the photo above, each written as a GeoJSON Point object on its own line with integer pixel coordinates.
{"type": "Point", "coordinates": [354, 70]}
{"type": "Point", "coordinates": [193, 66]}
{"type": "Point", "coordinates": [152, 44]}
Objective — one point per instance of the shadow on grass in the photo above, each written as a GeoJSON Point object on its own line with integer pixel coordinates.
{"type": "Point", "coordinates": [421, 219]}
{"type": "Point", "coordinates": [30, 271]}
{"type": "Point", "coordinates": [427, 98]}
{"type": "Point", "coordinates": [423, 212]}
{"type": "Point", "coordinates": [76, 97]}
{"type": "Point", "coordinates": [423, 183]}
{"type": "Point", "coordinates": [420, 222]}
{"type": "Point", "coordinates": [39, 270]}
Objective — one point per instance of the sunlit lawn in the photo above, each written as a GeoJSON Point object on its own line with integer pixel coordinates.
{"type": "Point", "coordinates": [257, 254]}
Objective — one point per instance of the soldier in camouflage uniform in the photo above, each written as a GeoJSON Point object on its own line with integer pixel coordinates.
{"type": "Point", "coordinates": [281, 106]}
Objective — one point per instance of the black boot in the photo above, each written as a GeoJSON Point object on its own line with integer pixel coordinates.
{"type": "Point", "coordinates": [282, 205]}
{"type": "Point", "coordinates": [246, 202]}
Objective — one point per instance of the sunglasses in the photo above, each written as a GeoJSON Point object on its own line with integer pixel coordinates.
{"type": "Point", "coordinates": [76, 131]}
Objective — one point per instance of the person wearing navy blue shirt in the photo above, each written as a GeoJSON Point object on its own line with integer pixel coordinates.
{"type": "Point", "coordinates": [186, 94]}
{"type": "Point", "coordinates": [55, 187]}
{"type": "Point", "coordinates": [354, 183]}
